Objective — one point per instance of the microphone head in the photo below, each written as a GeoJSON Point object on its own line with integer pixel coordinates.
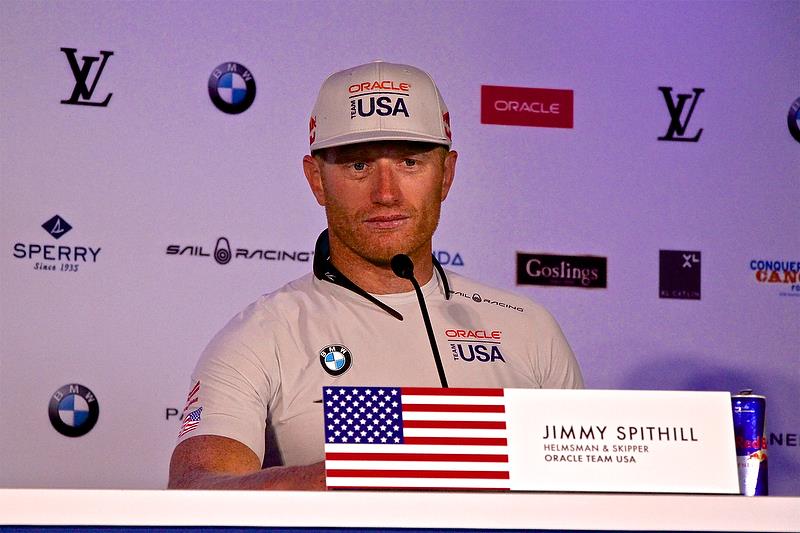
{"type": "Point", "coordinates": [402, 266]}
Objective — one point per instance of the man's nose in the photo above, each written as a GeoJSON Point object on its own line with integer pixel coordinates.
{"type": "Point", "coordinates": [385, 186]}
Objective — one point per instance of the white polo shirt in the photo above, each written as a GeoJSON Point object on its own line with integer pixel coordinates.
{"type": "Point", "coordinates": [269, 364]}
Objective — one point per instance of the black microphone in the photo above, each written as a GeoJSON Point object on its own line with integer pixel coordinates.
{"type": "Point", "coordinates": [403, 267]}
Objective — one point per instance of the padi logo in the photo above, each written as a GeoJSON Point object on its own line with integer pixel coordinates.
{"type": "Point", "coordinates": [794, 119]}
{"type": "Point", "coordinates": [231, 88]}
{"type": "Point", "coordinates": [223, 253]}
{"type": "Point", "coordinates": [52, 257]}
{"type": "Point", "coordinates": [477, 298]}
{"type": "Point", "coordinates": [82, 92]}
{"type": "Point", "coordinates": [384, 98]}
{"type": "Point", "coordinates": [446, 258]}
{"type": "Point", "coordinates": [475, 345]}
{"type": "Point", "coordinates": [335, 359]}
{"type": "Point", "coordinates": [73, 410]}
{"type": "Point", "coordinates": [782, 274]}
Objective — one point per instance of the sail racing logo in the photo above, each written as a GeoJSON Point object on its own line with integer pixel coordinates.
{"type": "Point", "coordinates": [783, 274]}
{"type": "Point", "coordinates": [56, 257]}
{"type": "Point", "coordinates": [223, 253]}
{"type": "Point", "coordinates": [478, 345]}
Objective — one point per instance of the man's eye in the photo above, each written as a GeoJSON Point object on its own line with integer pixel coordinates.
{"type": "Point", "coordinates": [410, 162]}
{"type": "Point", "coordinates": [359, 166]}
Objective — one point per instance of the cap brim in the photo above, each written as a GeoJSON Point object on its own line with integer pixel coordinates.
{"type": "Point", "coordinates": [380, 135]}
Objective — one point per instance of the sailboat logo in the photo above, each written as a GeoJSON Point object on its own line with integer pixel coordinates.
{"type": "Point", "coordinates": [57, 227]}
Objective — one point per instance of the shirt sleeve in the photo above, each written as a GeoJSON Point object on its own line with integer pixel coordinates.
{"type": "Point", "coordinates": [554, 363]}
{"type": "Point", "coordinates": [234, 381]}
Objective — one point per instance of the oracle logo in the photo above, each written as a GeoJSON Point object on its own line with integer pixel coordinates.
{"type": "Point", "coordinates": [526, 106]}
{"type": "Point", "coordinates": [473, 334]}
{"type": "Point", "coordinates": [385, 85]}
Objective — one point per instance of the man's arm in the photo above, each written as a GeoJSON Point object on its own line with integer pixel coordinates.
{"type": "Point", "coordinates": [213, 462]}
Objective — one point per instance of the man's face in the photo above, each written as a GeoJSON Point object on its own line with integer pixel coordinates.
{"type": "Point", "coordinates": [382, 198]}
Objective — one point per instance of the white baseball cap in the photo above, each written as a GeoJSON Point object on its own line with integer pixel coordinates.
{"type": "Point", "coordinates": [379, 102]}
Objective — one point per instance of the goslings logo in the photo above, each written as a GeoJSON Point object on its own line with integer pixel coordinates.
{"type": "Point", "coordinates": [478, 345]}
{"type": "Point", "coordinates": [73, 410]}
{"type": "Point", "coordinates": [223, 253]}
{"type": "Point", "coordinates": [581, 271]}
{"type": "Point", "coordinates": [52, 257]}
{"type": "Point", "coordinates": [676, 131]}
{"type": "Point", "coordinates": [231, 88]}
{"type": "Point", "coordinates": [794, 120]}
{"type": "Point", "coordinates": [784, 275]}
{"type": "Point", "coordinates": [523, 106]}
{"type": "Point", "coordinates": [383, 98]}
{"type": "Point", "coordinates": [335, 359]}
{"type": "Point", "coordinates": [82, 92]}
{"type": "Point", "coordinates": [679, 274]}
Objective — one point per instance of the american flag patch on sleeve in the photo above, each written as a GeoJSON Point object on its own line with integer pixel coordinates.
{"type": "Point", "coordinates": [190, 422]}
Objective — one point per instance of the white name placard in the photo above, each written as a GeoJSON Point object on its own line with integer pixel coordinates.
{"type": "Point", "coordinates": [621, 441]}
{"type": "Point", "coordinates": [529, 440]}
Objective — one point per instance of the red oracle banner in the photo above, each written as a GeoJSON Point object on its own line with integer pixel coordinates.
{"type": "Point", "coordinates": [526, 106]}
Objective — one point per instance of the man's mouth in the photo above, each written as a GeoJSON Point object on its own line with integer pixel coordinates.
{"type": "Point", "coordinates": [381, 222]}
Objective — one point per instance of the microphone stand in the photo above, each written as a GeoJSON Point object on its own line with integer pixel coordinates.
{"type": "Point", "coordinates": [403, 267]}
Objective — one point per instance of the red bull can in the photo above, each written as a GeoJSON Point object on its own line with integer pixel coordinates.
{"type": "Point", "coordinates": [749, 430]}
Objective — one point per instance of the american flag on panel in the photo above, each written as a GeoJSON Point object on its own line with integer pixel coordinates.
{"type": "Point", "coordinates": [415, 437]}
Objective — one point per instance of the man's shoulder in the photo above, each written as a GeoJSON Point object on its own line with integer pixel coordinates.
{"type": "Point", "coordinates": [273, 307]}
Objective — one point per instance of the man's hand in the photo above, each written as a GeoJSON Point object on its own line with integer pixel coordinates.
{"type": "Point", "coordinates": [213, 462]}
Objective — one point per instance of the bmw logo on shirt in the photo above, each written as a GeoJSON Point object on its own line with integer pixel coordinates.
{"type": "Point", "coordinates": [336, 359]}
{"type": "Point", "coordinates": [232, 88]}
{"type": "Point", "coordinates": [73, 410]}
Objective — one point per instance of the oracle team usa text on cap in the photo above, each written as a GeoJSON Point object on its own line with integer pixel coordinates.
{"type": "Point", "coordinates": [379, 102]}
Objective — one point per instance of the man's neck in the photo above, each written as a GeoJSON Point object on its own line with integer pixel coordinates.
{"type": "Point", "coordinates": [379, 279]}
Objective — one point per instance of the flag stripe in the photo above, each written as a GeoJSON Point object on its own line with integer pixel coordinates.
{"type": "Point", "coordinates": [475, 400]}
{"type": "Point", "coordinates": [193, 391]}
{"type": "Point", "coordinates": [447, 432]}
{"type": "Point", "coordinates": [436, 487]}
{"type": "Point", "coordinates": [435, 474]}
{"type": "Point", "coordinates": [453, 408]}
{"type": "Point", "coordinates": [350, 456]}
{"type": "Point", "coordinates": [452, 391]}
{"type": "Point", "coordinates": [456, 441]}
{"type": "Point", "coordinates": [367, 464]}
{"type": "Point", "coordinates": [460, 424]}
{"type": "Point", "coordinates": [421, 415]}
{"type": "Point", "coordinates": [412, 448]}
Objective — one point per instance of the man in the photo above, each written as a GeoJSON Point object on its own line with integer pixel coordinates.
{"type": "Point", "coordinates": [381, 166]}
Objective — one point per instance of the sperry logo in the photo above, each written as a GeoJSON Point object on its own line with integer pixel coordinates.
{"type": "Point", "coordinates": [82, 92]}
{"type": "Point", "coordinates": [676, 131]}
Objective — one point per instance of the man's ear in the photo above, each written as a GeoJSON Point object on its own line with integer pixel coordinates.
{"type": "Point", "coordinates": [449, 172]}
{"type": "Point", "coordinates": [313, 172]}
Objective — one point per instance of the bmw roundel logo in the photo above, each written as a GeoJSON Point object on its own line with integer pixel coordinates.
{"type": "Point", "coordinates": [232, 88]}
{"type": "Point", "coordinates": [73, 410]}
{"type": "Point", "coordinates": [335, 359]}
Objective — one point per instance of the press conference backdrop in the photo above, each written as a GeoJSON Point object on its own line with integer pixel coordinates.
{"type": "Point", "coordinates": [634, 167]}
